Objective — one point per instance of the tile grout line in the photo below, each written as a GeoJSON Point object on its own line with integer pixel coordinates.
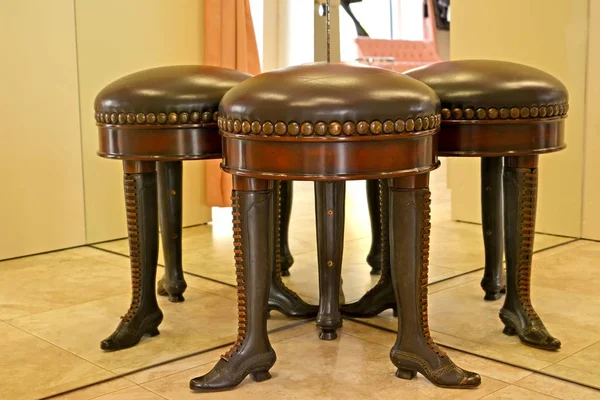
{"type": "Point", "coordinates": [153, 392]}
{"type": "Point", "coordinates": [512, 384]}
{"type": "Point", "coordinates": [133, 384]}
{"type": "Point", "coordinates": [545, 394]}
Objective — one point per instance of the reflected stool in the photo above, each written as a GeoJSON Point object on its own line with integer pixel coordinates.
{"type": "Point", "coordinates": [329, 123]}
{"type": "Point", "coordinates": [152, 120]}
{"type": "Point", "coordinates": [506, 114]}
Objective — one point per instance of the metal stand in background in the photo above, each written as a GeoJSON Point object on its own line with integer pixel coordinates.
{"type": "Point", "coordinates": [327, 30]}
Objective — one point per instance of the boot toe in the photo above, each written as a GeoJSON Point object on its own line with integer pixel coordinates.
{"type": "Point", "coordinates": [472, 379]}
{"type": "Point", "coordinates": [554, 343]}
{"type": "Point", "coordinates": [549, 343]}
{"type": "Point", "coordinates": [198, 383]}
{"type": "Point", "coordinates": [543, 340]}
{"type": "Point", "coordinates": [110, 344]}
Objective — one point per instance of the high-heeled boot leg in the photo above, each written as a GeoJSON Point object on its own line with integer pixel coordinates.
{"type": "Point", "coordinates": [375, 256]}
{"type": "Point", "coordinates": [282, 298]}
{"type": "Point", "coordinates": [493, 227]}
{"type": "Point", "coordinates": [286, 189]}
{"type": "Point", "coordinates": [414, 350]}
{"type": "Point", "coordinates": [144, 315]}
{"type": "Point", "coordinates": [381, 296]}
{"type": "Point", "coordinates": [170, 178]}
{"type": "Point", "coordinates": [520, 200]}
{"type": "Point", "coordinates": [329, 210]}
{"type": "Point", "coordinates": [252, 353]}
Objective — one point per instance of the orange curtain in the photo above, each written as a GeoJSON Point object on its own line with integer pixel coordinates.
{"type": "Point", "coordinates": [230, 42]}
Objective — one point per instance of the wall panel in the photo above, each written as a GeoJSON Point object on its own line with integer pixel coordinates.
{"type": "Point", "coordinates": [591, 186]}
{"type": "Point", "coordinates": [41, 199]}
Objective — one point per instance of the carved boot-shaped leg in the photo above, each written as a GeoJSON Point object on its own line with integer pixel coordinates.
{"type": "Point", "coordinates": [381, 296]}
{"type": "Point", "coordinates": [520, 200]}
{"type": "Point", "coordinates": [286, 195]}
{"type": "Point", "coordinates": [414, 350]}
{"type": "Point", "coordinates": [170, 178]}
{"type": "Point", "coordinates": [493, 229]}
{"type": "Point", "coordinates": [330, 207]}
{"type": "Point", "coordinates": [282, 298]}
{"type": "Point", "coordinates": [143, 316]}
{"type": "Point", "coordinates": [252, 353]}
{"type": "Point", "coordinates": [375, 256]}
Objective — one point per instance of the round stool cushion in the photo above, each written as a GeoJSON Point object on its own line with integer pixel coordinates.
{"type": "Point", "coordinates": [166, 96]}
{"type": "Point", "coordinates": [493, 90]}
{"type": "Point", "coordinates": [329, 100]}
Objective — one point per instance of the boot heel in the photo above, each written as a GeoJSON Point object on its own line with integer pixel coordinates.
{"type": "Point", "coordinates": [328, 334]}
{"type": "Point", "coordinates": [492, 295]}
{"type": "Point", "coordinates": [509, 331]}
{"type": "Point", "coordinates": [176, 298]}
{"type": "Point", "coordinates": [260, 376]}
{"type": "Point", "coordinates": [405, 373]}
{"type": "Point", "coordinates": [152, 332]}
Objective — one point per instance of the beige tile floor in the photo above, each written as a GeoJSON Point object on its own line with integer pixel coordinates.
{"type": "Point", "coordinates": [56, 307]}
{"type": "Point", "coordinates": [354, 367]}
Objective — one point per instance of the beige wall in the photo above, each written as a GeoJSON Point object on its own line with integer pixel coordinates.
{"type": "Point", "coordinates": [591, 183]}
{"type": "Point", "coordinates": [41, 200]}
{"type": "Point", "coordinates": [114, 38]}
{"type": "Point", "coordinates": [57, 55]}
{"type": "Point", "coordinates": [552, 38]}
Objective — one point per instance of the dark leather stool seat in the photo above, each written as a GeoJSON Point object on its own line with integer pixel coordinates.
{"type": "Point", "coordinates": [163, 113]}
{"type": "Point", "coordinates": [494, 108]}
{"type": "Point", "coordinates": [484, 89]}
{"type": "Point", "coordinates": [152, 120]}
{"type": "Point", "coordinates": [507, 114]}
{"type": "Point", "coordinates": [329, 123]}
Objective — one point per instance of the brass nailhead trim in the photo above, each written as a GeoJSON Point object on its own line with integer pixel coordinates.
{"type": "Point", "coordinates": [349, 128]}
{"type": "Point", "coordinates": [542, 111]}
{"type": "Point", "coordinates": [399, 125]}
{"type": "Point", "coordinates": [293, 128]}
{"type": "Point", "coordinates": [362, 127]}
{"type": "Point", "coordinates": [237, 126]}
{"type": "Point", "coordinates": [333, 128]}
{"type": "Point", "coordinates": [306, 129]}
{"type": "Point", "coordinates": [388, 127]}
{"type": "Point", "coordinates": [280, 128]}
{"type": "Point", "coordinates": [246, 127]}
{"type": "Point", "coordinates": [182, 118]}
{"type": "Point", "coordinates": [320, 128]}
{"type": "Point", "coordinates": [267, 128]}
{"type": "Point", "coordinates": [457, 113]}
{"type": "Point", "coordinates": [256, 127]}
{"type": "Point", "coordinates": [418, 124]}
{"type": "Point", "coordinates": [376, 127]}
